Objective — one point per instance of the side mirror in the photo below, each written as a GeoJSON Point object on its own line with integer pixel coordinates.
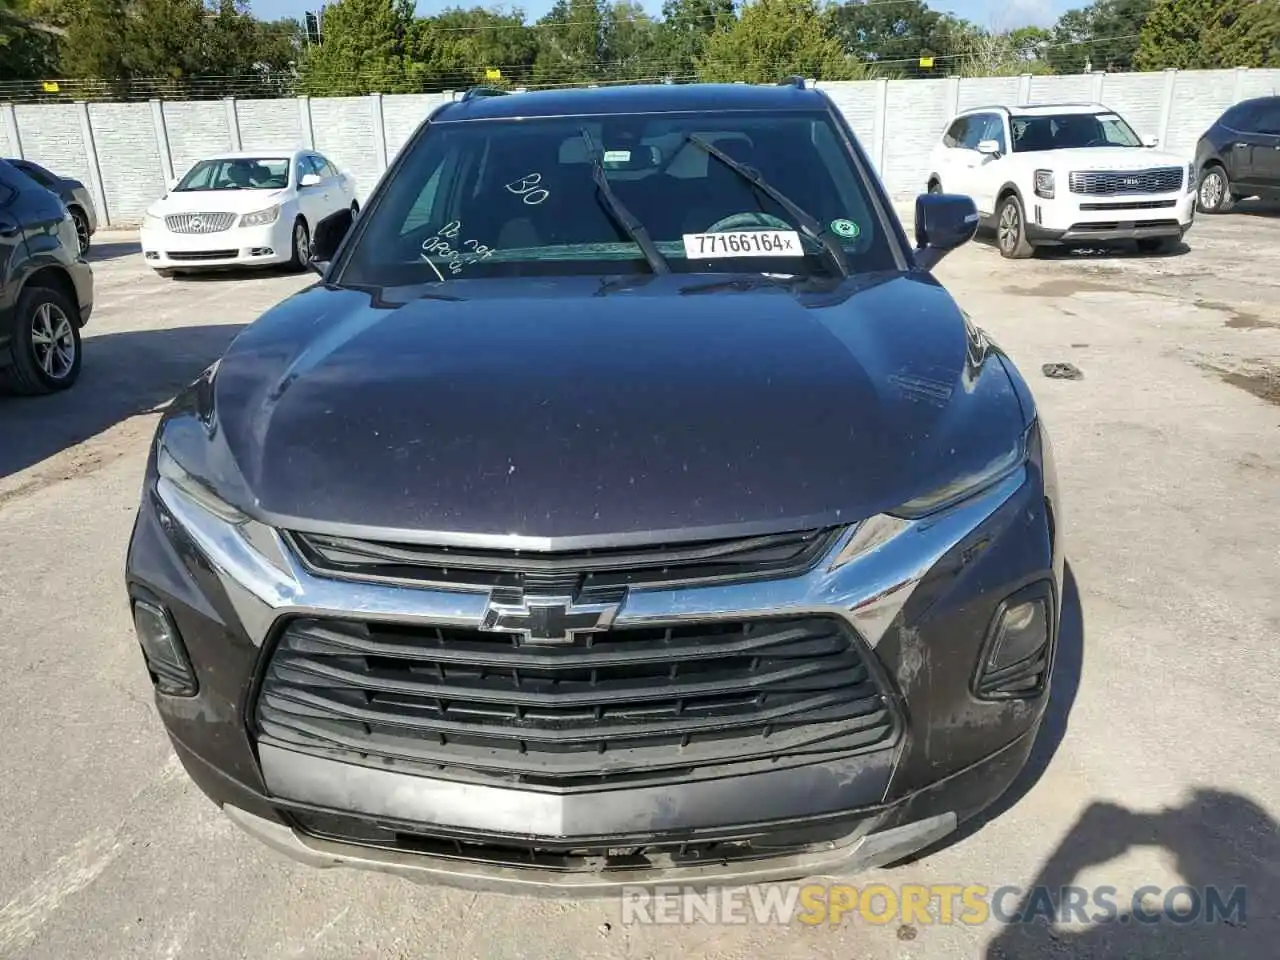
{"type": "Point", "coordinates": [309, 180]}
{"type": "Point", "coordinates": [990, 148]}
{"type": "Point", "coordinates": [944, 221]}
{"type": "Point", "coordinates": [1151, 141]}
{"type": "Point", "coordinates": [328, 237]}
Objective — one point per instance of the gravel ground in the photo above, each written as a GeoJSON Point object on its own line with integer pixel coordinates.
{"type": "Point", "coordinates": [1160, 763]}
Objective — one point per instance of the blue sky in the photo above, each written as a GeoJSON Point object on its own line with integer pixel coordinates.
{"type": "Point", "coordinates": [1003, 13]}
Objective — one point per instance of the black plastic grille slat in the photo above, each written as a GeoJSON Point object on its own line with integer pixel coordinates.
{"type": "Point", "coordinates": [568, 572]}
{"type": "Point", "coordinates": [634, 701]}
{"type": "Point", "coordinates": [1113, 182]}
{"type": "Point", "coordinates": [1025, 678]}
{"type": "Point", "coordinates": [579, 855]}
{"type": "Point", "coordinates": [1130, 205]}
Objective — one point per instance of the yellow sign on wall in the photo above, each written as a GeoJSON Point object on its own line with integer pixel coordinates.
{"type": "Point", "coordinates": [492, 73]}
{"type": "Point", "coordinates": [50, 86]}
{"type": "Point", "coordinates": [926, 61]}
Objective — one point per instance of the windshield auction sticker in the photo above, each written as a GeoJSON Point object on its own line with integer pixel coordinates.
{"type": "Point", "coordinates": [743, 243]}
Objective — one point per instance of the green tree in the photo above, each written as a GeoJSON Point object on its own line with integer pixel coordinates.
{"type": "Point", "coordinates": [1101, 36]}
{"type": "Point", "coordinates": [894, 34]}
{"type": "Point", "coordinates": [164, 38]}
{"type": "Point", "coordinates": [363, 50]}
{"type": "Point", "coordinates": [774, 39]}
{"type": "Point", "coordinates": [631, 43]}
{"type": "Point", "coordinates": [457, 48]}
{"type": "Point", "coordinates": [1210, 34]}
{"type": "Point", "coordinates": [570, 42]}
{"type": "Point", "coordinates": [687, 26]}
{"type": "Point", "coordinates": [28, 46]}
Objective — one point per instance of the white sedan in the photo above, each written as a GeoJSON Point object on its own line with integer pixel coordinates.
{"type": "Point", "coordinates": [244, 209]}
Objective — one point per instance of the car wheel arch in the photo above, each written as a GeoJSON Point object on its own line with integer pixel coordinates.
{"type": "Point", "coordinates": [55, 278]}
{"type": "Point", "coordinates": [1007, 190]}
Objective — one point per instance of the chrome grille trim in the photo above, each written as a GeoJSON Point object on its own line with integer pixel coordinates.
{"type": "Point", "coordinates": [1112, 182]}
{"type": "Point", "coordinates": [199, 222]}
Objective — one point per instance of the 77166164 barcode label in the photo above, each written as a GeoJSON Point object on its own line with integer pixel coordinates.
{"type": "Point", "coordinates": [743, 243]}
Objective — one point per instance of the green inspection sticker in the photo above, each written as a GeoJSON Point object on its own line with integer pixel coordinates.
{"type": "Point", "coordinates": [845, 228]}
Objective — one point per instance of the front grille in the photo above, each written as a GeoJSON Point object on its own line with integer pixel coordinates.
{"type": "Point", "coordinates": [582, 571]}
{"type": "Point", "coordinates": [1131, 205]}
{"type": "Point", "coordinates": [199, 222]}
{"type": "Point", "coordinates": [201, 254]}
{"type": "Point", "coordinates": [1112, 182]}
{"type": "Point", "coordinates": [628, 704]}
{"type": "Point", "coordinates": [588, 855]}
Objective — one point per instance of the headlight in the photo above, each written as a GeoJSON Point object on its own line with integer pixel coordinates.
{"type": "Point", "coordinates": [1191, 177]}
{"type": "Point", "coordinates": [176, 481]}
{"type": "Point", "coordinates": [1044, 184]}
{"type": "Point", "coordinates": [969, 485]}
{"type": "Point", "coordinates": [151, 221]}
{"type": "Point", "coordinates": [260, 218]}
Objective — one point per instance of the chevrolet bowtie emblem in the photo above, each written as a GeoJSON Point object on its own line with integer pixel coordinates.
{"type": "Point", "coordinates": [548, 620]}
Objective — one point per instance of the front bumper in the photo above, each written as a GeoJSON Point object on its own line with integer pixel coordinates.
{"type": "Point", "coordinates": [236, 247]}
{"type": "Point", "coordinates": [1074, 219]}
{"type": "Point", "coordinates": [921, 601]}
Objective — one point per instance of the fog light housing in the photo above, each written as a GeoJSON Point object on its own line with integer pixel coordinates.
{"type": "Point", "coordinates": [1016, 655]}
{"type": "Point", "coordinates": [162, 649]}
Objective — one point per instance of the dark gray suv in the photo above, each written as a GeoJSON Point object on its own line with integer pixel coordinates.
{"type": "Point", "coordinates": [628, 503]}
{"type": "Point", "coordinates": [1239, 156]}
{"type": "Point", "coordinates": [46, 288]}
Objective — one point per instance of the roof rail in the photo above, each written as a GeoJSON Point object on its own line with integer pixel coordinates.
{"type": "Point", "coordinates": [483, 92]}
{"type": "Point", "coordinates": [795, 80]}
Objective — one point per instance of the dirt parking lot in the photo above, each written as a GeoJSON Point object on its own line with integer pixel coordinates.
{"type": "Point", "coordinates": [1159, 763]}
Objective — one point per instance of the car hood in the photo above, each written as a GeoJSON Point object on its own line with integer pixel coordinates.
{"type": "Point", "coordinates": [546, 410]}
{"type": "Point", "coordinates": [217, 201]}
{"type": "Point", "coordinates": [1103, 158]}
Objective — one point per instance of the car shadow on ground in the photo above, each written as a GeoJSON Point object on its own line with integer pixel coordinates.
{"type": "Point", "coordinates": [1224, 847]}
{"type": "Point", "coordinates": [124, 374]}
{"type": "Point", "coordinates": [1255, 207]}
{"type": "Point", "coordinates": [224, 274]}
{"type": "Point", "coordinates": [102, 252]}
{"type": "Point", "coordinates": [1121, 250]}
{"type": "Point", "coordinates": [1067, 669]}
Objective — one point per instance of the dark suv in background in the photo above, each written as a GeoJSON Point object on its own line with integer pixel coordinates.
{"type": "Point", "coordinates": [46, 288]}
{"type": "Point", "coordinates": [1239, 156]}
{"type": "Point", "coordinates": [71, 192]}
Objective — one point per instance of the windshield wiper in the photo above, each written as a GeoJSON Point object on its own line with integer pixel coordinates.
{"type": "Point", "coordinates": [625, 218]}
{"type": "Point", "coordinates": [806, 219]}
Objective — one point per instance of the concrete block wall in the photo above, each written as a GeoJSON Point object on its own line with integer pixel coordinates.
{"type": "Point", "coordinates": [127, 152]}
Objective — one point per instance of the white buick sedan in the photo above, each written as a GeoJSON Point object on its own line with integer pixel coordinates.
{"type": "Point", "coordinates": [244, 209]}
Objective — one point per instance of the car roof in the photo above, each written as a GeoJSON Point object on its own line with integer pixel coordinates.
{"type": "Point", "coordinates": [258, 154]}
{"type": "Point", "coordinates": [1040, 109]}
{"type": "Point", "coordinates": [633, 98]}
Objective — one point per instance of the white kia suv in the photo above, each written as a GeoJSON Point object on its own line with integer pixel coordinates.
{"type": "Point", "coordinates": [1064, 174]}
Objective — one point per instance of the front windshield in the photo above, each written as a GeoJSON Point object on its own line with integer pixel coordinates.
{"type": "Point", "coordinates": [1060, 131]}
{"type": "Point", "coordinates": [507, 198]}
{"type": "Point", "coordinates": [237, 173]}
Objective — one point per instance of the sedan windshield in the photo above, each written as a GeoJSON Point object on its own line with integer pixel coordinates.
{"type": "Point", "coordinates": [751, 192]}
{"type": "Point", "coordinates": [1062, 131]}
{"type": "Point", "coordinates": [237, 173]}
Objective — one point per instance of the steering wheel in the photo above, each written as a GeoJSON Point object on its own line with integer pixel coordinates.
{"type": "Point", "coordinates": [1097, 142]}
{"type": "Point", "coordinates": [751, 220]}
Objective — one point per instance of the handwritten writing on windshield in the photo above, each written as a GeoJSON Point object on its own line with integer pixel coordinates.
{"type": "Point", "coordinates": [456, 253]}
{"type": "Point", "coordinates": [529, 189]}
